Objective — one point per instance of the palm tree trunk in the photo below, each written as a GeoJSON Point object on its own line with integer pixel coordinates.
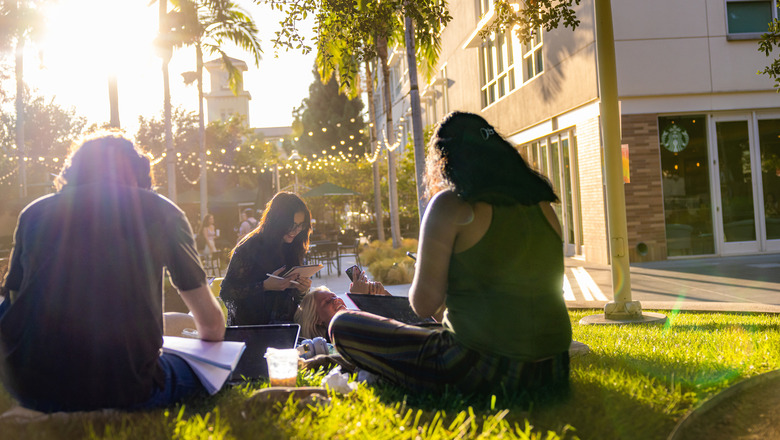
{"type": "Point", "coordinates": [380, 222]}
{"type": "Point", "coordinates": [417, 130]}
{"type": "Point", "coordinates": [170, 157]}
{"type": "Point", "coordinates": [392, 183]}
{"type": "Point", "coordinates": [19, 71]}
{"type": "Point", "coordinates": [113, 100]}
{"type": "Point", "coordinates": [204, 197]}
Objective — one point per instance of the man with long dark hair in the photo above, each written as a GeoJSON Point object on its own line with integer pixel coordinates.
{"type": "Point", "coordinates": [81, 320]}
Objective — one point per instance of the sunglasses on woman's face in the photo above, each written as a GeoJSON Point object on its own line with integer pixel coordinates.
{"type": "Point", "coordinates": [297, 226]}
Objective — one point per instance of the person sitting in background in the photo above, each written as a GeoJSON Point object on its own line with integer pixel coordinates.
{"type": "Point", "coordinates": [248, 223]}
{"type": "Point", "coordinates": [490, 261]}
{"type": "Point", "coordinates": [278, 243]}
{"type": "Point", "coordinates": [81, 320]}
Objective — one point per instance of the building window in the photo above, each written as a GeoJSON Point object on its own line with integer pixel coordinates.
{"type": "Point", "coordinates": [444, 92]}
{"type": "Point", "coordinates": [484, 6]}
{"type": "Point", "coordinates": [497, 67]}
{"type": "Point", "coordinates": [532, 56]}
{"type": "Point", "coordinates": [749, 18]}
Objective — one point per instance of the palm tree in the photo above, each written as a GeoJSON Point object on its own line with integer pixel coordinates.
{"type": "Point", "coordinates": [165, 42]}
{"type": "Point", "coordinates": [21, 21]}
{"type": "Point", "coordinates": [364, 32]}
{"type": "Point", "coordinates": [208, 25]}
{"type": "Point", "coordinates": [380, 227]}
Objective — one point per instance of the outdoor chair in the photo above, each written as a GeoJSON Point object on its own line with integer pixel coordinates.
{"type": "Point", "coordinates": [350, 249]}
{"type": "Point", "coordinates": [327, 254]}
{"type": "Point", "coordinates": [212, 265]}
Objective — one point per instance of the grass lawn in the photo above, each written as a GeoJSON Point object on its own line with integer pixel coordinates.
{"type": "Point", "coordinates": [637, 383]}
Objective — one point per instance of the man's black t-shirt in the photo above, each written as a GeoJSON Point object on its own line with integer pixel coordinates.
{"type": "Point", "coordinates": [85, 329]}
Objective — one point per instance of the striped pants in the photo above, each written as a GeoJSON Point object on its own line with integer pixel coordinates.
{"type": "Point", "coordinates": [428, 359]}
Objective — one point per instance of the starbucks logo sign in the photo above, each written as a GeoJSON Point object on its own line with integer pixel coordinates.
{"type": "Point", "coordinates": [674, 138]}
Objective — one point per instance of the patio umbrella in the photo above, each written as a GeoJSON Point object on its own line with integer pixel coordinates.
{"type": "Point", "coordinates": [330, 189]}
{"type": "Point", "coordinates": [235, 195]}
{"type": "Point", "coordinates": [190, 196]}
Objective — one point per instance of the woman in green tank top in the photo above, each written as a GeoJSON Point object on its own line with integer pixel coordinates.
{"type": "Point", "coordinates": [489, 267]}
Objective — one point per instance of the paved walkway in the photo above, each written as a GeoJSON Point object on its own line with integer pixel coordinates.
{"type": "Point", "coordinates": [743, 284]}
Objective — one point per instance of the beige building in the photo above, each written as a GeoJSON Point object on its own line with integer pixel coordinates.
{"type": "Point", "coordinates": [702, 129]}
{"type": "Point", "coordinates": [221, 102]}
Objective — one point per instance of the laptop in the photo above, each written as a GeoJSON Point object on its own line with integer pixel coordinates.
{"type": "Point", "coordinates": [393, 307]}
{"type": "Point", "coordinates": [258, 338]}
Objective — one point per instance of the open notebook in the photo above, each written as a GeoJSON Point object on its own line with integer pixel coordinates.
{"type": "Point", "coordinates": [258, 338]}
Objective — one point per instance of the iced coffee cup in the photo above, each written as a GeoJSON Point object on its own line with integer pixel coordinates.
{"type": "Point", "coordinates": [282, 366]}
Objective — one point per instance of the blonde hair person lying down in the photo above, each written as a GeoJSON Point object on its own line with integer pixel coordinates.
{"type": "Point", "coordinates": [320, 305]}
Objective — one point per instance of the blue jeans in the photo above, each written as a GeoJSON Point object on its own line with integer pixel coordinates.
{"type": "Point", "coordinates": [4, 305]}
{"type": "Point", "coordinates": [180, 381]}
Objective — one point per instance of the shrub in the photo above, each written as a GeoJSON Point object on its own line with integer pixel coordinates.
{"type": "Point", "coordinates": [387, 265]}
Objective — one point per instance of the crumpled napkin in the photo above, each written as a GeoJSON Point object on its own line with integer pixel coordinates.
{"type": "Point", "coordinates": [338, 382]}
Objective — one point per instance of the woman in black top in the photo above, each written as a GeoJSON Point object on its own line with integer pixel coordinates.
{"type": "Point", "coordinates": [280, 241]}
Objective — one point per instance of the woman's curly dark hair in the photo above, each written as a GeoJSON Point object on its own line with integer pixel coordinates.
{"type": "Point", "coordinates": [468, 156]}
{"type": "Point", "coordinates": [104, 157]}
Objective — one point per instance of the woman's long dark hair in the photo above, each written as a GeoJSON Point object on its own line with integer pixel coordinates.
{"type": "Point", "coordinates": [277, 219]}
{"type": "Point", "coordinates": [468, 156]}
{"type": "Point", "coordinates": [105, 157]}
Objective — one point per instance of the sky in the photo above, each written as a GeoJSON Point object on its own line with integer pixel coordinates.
{"type": "Point", "coordinates": [88, 39]}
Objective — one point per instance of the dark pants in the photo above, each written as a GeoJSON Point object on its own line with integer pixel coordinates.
{"type": "Point", "coordinates": [180, 383]}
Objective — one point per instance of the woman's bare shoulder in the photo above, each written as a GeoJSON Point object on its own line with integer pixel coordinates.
{"type": "Point", "coordinates": [447, 203]}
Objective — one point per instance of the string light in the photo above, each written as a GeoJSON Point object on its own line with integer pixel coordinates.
{"type": "Point", "coordinates": [187, 163]}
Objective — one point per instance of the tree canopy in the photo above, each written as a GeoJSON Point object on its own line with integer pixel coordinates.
{"type": "Point", "coordinates": [328, 120]}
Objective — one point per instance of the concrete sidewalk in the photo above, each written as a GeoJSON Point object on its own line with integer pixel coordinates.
{"type": "Point", "coordinates": [734, 284]}
{"type": "Point", "coordinates": [738, 284]}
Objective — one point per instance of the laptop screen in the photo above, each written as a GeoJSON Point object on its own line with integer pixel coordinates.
{"type": "Point", "coordinates": [393, 307]}
{"type": "Point", "coordinates": [258, 338]}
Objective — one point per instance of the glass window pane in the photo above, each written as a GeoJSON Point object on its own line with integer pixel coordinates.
{"type": "Point", "coordinates": [567, 190]}
{"type": "Point", "coordinates": [510, 57]}
{"type": "Point", "coordinates": [511, 79]}
{"type": "Point", "coordinates": [482, 65]}
{"type": "Point", "coordinates": [576, 175]}
{"type": "Point", "coordinates": [686, 185]}
{"type": "Point", "coordinates": [769, 143]}
{"type": "Point", "coordinates": [748, 17]}
{"type": "Point", "coordinates": [490, 64]}
{"type": "Point", "coordinates": [555, 178]}
{"type": "Point", "coordinates": [529, 68]}
{"type": "Point", "coordinates": [736, 182]}
{"type": "Point", "coordinates": [539, 65]}
{"type": "Point", "coordinates": [543, 160]}
{"type": "Point", "coordinates": [499, 53]}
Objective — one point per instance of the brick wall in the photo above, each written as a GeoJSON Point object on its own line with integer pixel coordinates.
{"type": "Point", "coordinates": [592, 202]}
{"type": "Point", "coordinates": [644, 194]}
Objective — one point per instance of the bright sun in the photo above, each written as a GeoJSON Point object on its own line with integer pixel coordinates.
{"type": "Point", "coordinates": [103, 35]}
{"type": "Point", "coordinates": [85, 41]}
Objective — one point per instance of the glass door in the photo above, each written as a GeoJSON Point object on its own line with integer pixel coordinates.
{"type": "Point", "coordinates": [556, 158]}
{"type": "Point", "coordinates": [769, 154]}
{"type": "Point", "coordinates": [735, 208]}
